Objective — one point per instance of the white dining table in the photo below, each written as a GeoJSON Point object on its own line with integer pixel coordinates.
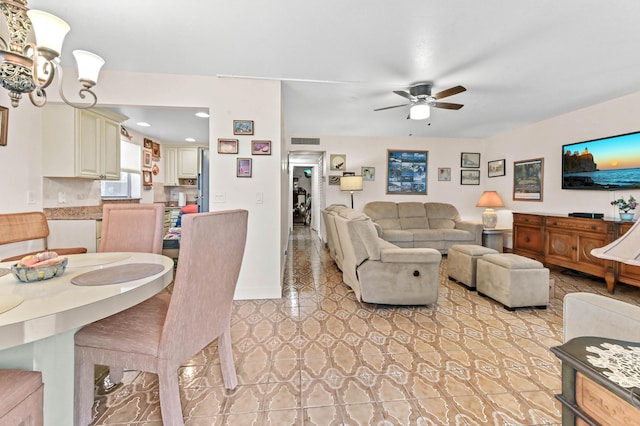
{"type": "Point", "coordinates": [38, 333]}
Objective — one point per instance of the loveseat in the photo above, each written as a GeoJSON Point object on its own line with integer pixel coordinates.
{"type": "Point", "coordinates": [423, 225]}
{"type": "Point", "coordinates": [378, 271]}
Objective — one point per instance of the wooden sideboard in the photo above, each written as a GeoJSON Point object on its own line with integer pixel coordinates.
{"type": "Point", "coordinates": [567, 242]}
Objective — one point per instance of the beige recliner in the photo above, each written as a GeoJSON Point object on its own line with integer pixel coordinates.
{"type": "Point", "coordinates": [588, 314]}
{"type": "Point", "coordinates": [381, 272]}
{"type": "Point", "coordinates": [333, 240]}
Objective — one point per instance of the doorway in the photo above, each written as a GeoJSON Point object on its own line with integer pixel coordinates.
{"type": "Point", "coordinates": [306, 188]}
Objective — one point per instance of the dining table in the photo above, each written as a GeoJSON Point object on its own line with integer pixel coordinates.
{"type": "Point", "coordinates": [38, 319]}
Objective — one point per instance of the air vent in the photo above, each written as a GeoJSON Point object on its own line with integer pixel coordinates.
{"type": "Point", "coordinates": [305, 141]}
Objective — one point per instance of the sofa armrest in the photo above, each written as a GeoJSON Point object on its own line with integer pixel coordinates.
{"type": "Point", "coordinates": [410, 255]}
{"type": "Point", "coordinates": [379, 229]}
{"type": "Point", "coordinates": [588, 314]}
{"type": "Point", "coordinates": [465, 225]}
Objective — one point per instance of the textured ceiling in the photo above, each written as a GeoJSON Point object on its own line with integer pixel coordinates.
{"type": "Point", "coordinates": [521, 61]}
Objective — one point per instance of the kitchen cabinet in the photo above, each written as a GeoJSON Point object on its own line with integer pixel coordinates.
{"type": "Point", "coordinates": [188, 163]}
{"type": "Point", "coordinates": [80, 143]}
{"type": "Point", "coordinates": [567, 242]}
{"type": "Point", "coordinates": [171, 166]}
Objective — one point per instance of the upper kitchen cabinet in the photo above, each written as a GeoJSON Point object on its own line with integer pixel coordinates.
{"type": "Point", "coordinates": [80, 143]}
{"type": "Point", "coordinates": [188, 163]}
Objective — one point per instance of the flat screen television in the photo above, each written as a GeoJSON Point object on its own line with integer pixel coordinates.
{"type": "Point", "coordinates": [608, 164]}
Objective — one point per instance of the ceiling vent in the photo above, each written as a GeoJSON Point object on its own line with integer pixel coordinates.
{"type": "Point", "coordinates": [305, 141]}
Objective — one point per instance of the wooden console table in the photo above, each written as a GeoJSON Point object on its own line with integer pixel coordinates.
{"type": "Point", "coordinates": [589, 396]}
{"type": "Point", "coordinates": [567, 242]}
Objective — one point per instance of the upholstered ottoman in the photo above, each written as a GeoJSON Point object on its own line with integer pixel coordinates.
{"type": "Point", "coordinates": [515, 281]}
{"type": "Point", "coordinates": [461, 262]}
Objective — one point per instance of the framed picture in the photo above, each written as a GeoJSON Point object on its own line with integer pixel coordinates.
{"type": "Point", "coordinates": [155, 149]}
{"type": "Point", "coordinates": [495, 168]}
{"type": "Point", "coordinates": [147, 160]}
{"type": "Point", "coordinates": [244, 167]}
{"type": "Point", "coordinates": [407, 172]}
{"type": "Point", "coordinates": [338, 162]}
{"type": "Point", "coordinates": [242, 127]}
{"type": "Point", "coordinates": [469, 177]}
{"type": "Point", "coordinates": [334, 180]}
{"type": "Point", "coordinates": [444, 174]}
{"type": "Point", "coordinates": [4, 124]}
{"type": "Point", "coordinates": [528, 179]}
{"type": "Point", "coordinates": [147, 180]}
{"type": "Point", "coordinates": [348, 173]}
{"type": "Point", "coordinates": [260, 147]}
{"type": "Point", "coordinates": [148, 143]}
{"type": "Point", "coordinates": [470, 160]}
{"type": "Point", "coordinates": [368, 174]}
{"type": "Point", "coordinates": [227, 146]}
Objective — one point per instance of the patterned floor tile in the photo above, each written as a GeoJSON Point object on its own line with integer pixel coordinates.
{"type": "Point", "coordinates": [318, 356]}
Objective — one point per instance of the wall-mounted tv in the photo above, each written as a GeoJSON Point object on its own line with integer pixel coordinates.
{"type": "Point", "coordinates": [602, 164]}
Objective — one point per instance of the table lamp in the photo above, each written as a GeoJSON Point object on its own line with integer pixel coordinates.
{"type": "Point", "coordinates": [489, 199]}
{"type": "Point", "coordinates": [625, 249]}
{"type": "Point", "coordinates": [351, 183]}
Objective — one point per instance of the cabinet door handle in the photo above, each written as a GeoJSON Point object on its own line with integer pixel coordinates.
{"type": "Point", "coordinates": [527, 239]}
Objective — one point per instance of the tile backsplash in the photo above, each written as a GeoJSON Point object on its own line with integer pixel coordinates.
{"type": "Point", "coordinates": [70, 192]}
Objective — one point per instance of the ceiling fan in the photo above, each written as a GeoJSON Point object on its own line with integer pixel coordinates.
{"type": "Point", "coordinates": [420, 98]}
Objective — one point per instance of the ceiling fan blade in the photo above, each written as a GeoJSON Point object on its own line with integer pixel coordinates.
{"type": "Point", "coordinates": [446, 105]}
{"type": "Point", "coordinates": [449, 92]}
{"type": "Point", "coordinates": [389, 107]}
{"type": "Point", "coordinates": [403, 94]}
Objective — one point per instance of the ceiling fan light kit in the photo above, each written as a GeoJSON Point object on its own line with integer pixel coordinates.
{"type": "Point", "coordinates": [421, 100]}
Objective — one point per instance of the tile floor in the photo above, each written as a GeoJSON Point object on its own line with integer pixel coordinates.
{"type": "Point", "coordinates": [319, 357]}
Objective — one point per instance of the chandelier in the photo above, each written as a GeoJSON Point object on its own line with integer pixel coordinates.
{"type": "Point", "coordinates": [29, 60]}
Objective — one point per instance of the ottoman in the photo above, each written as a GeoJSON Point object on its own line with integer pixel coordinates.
{"type": "Point", "coordinates": [513, 280]}
{"type": "Point", "coordinates": [461, 262]}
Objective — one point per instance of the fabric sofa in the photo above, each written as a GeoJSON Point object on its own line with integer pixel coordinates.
{"type": "Point", "coordinates": [381, 272]}
{"type": "Point", "coordinates": [333, 242]}
{"type": "Point", "coordinates": [423, 225]}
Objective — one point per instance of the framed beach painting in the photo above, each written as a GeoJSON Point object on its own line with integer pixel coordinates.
{"type": "Point", "coordinates": [495, 168]}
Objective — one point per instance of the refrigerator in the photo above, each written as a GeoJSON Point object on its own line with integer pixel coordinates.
{"type": "Point", "coordinates": [203, 181]}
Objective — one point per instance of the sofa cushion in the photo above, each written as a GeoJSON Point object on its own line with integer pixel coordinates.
{"type": "Point", "coordinates": [412, 216]}
{"type": "Point", "coordinates": [363, 235]}
{"type": "Point", "coordinates": [384, 213]}
{"type": "Point", "coordinates": [442, 215]}
{"type": "Point", "coordinates": [457, 235]}
{"type": "Point", "coordinates": [427, 234]}
{"type": "Point", "coordinates": [397, 235]}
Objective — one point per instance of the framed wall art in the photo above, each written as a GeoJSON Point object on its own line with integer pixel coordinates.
{"type": "Point", "coordinates": [469, 177]}
{"type": "Point", "coordinates": [155, 150]}
{"type": "Point", "coordinates": [244, 167]}
{"type": "Point", "coordinates": [407, 172]}
{"type": "Point", "coordinates": [227, 146]}
{"type": "Point", "coordinates": [146, 158]}
{"type": "Point", "coordinates": [496, 168]}
{"type": "Point", "coordinates": [334, 180]}
{"type": "Point", "coordinates": [4, 125]}
{"type": "Point", "coordinates": [444, 174]}
{"type": "Point", "coordinates": [148, 143]}
{"type": "Point", "coordinates": [243, 127]}
{"type": "Point", "coordinates": [260, 147]}
{"type": "Point", "coordinates": [528, 179]}
{"type": "Point", "coordinates": [368, 173]}
{"type": "Point", "coordinates": [470, 160]}
{"type": "Point", "coordinates": [147, 180]}
{"type": "Point", "coordinates": [338, 162]}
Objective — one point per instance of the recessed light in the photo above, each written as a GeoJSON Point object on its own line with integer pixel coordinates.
{"type": "Point", "coordinates": [190, 139]}
{"type": "Point", "coordinates": [202, 114]}
{"type": "Point", "coordinates": [143, 124]}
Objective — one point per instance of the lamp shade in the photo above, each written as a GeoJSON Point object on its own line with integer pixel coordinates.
{"type": "Point", "coordinates": [351, 183]}
{"type": "Point", "coordinates": [419, 111]}
{"type": "Point", "coordinates": [49, 29]}
{"type": "Point", "coordinates": [89, 65]}
{"type": "Point", "coordinates": [490, 199]}
{"type": "Point", "coordinates": [625, 249]}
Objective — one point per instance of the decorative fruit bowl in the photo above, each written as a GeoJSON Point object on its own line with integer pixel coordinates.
{"type": "Point", "coordinates": [41, 266]}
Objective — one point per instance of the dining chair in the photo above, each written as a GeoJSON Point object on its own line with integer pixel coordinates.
{"type": "Point", "coordinates": [163, 332]}
{"type": "Point", "coordinates": [21, 394]}
{"type": "Point", "coordinates": [132, 227]}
